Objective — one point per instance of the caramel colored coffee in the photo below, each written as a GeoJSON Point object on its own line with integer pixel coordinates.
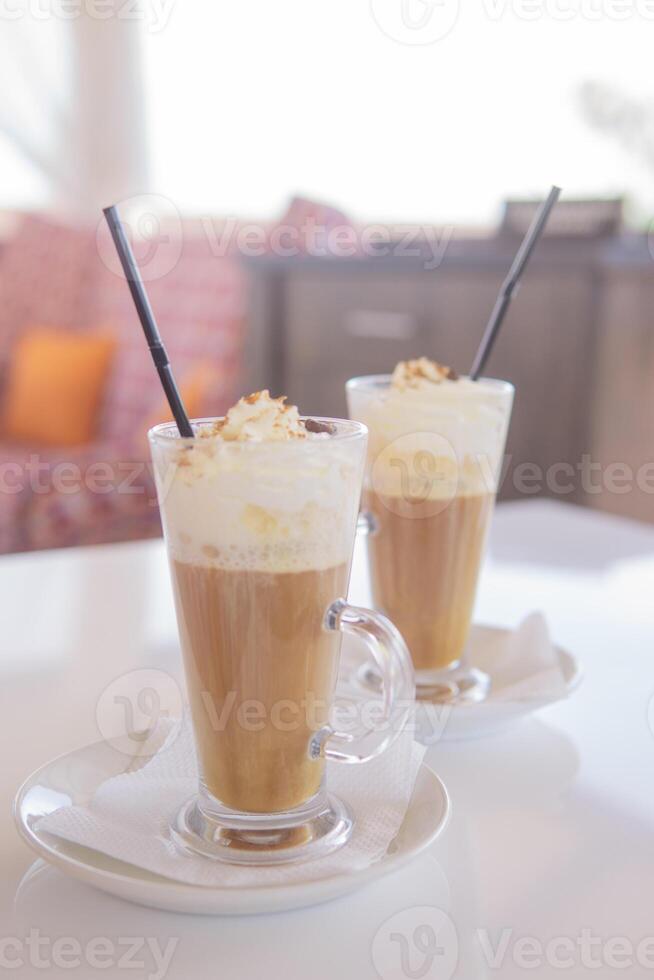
{"type": "Point", "coordinates": [260, 670]}
{"type": "Point", "coordinates": [424, 571]}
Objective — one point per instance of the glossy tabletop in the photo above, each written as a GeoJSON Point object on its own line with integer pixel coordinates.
{"type": "Point", "coordinates": [545, 869]}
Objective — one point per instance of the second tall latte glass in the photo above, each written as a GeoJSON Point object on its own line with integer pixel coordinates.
{"type": "Point", "coordinates": [260, 538]}
{"type": "Point", "coordinates": [434, 460]}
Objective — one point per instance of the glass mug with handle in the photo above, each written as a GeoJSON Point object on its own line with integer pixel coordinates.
{"type": "Point", "coordinates": [435, 453]}
{"type": "Point", "coordinates": [260, 538]}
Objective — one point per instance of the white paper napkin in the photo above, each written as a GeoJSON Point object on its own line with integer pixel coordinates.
{"type": "Point", "coordinates": [523, 664]}
{"type": "Point", "coordinates": [129, 815]}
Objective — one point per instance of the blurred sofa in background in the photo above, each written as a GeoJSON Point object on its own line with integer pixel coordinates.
{"type": "Point", "coordinates": [77, 387]}
{"type": "Point", "coordinates": [245, 305]}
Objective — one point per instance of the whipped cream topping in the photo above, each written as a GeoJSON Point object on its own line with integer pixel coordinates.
{"type": "Point", "coordinates": [429, 426]}
{"type": "Point", "coordinates": [261, 489]}
{"type": "Point", "coordinates": [420, 373]}
{"type": "Point", "coordinates": [259, 418]}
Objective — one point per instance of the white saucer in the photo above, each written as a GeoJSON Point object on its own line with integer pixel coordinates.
{"type": "Point", "coordinates": [436, 723]}
{"type": "Point", "coordinates": [497, 712]}
{"type": "Point", "coordinates": [73, 778]}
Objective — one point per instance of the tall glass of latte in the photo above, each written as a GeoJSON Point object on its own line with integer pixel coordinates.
{"type": "Point", "coordinates": [259, 512]}
{"type": "Point", "coordinates": [436, 443]}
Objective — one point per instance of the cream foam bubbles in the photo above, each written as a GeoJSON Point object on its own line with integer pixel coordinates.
{"type": "Point", "coordinates": [260, 504]}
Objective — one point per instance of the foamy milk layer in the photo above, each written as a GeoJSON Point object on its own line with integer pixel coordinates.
{"type": "Point", "coordinates": [276, 507]}
{"type": "Point", "coordinates": [433, 439]}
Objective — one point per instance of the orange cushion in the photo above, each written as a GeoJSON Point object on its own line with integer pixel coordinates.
{"type": "Point", "coordinates": [55, 386]}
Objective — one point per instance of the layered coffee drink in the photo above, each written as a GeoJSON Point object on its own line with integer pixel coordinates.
{"type": "Point", "coordinates": [255, 749]}
{"type": "Point", "coordinates": [259, 515]}
{"type": "Point", "coordinates": [434, 457]}
{"type": "Point", "coordinates": [424, 572]}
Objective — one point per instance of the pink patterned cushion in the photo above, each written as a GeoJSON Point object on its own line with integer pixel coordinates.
{"type": "Point", "coordinates": [199, 306]}
{"type": "Point", "coordinates": [312, 228]}
{"type": "Point", "coordinates": [46, 277]}
{"type": "Point", "coordinates": [57, 275]}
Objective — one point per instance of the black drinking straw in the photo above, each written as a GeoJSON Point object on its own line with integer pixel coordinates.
{"type": "Point", "coordinates": [511, 282]}
{"type": "Point", "coordinates": [146, 316]}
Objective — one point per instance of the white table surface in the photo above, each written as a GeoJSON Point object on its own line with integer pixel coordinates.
{"type": "Point", "coordinates": [552, 834]}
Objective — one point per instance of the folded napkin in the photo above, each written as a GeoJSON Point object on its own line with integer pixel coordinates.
{"type": "Point", "coordinates": [523, 664]}
{"type": "Point", "coordinates": [129, 815]}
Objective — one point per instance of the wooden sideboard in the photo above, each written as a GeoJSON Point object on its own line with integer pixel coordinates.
{"type": "Point", "coordinates": [622, 408]}
{"type": "Point", "coordinates": [578, 344]}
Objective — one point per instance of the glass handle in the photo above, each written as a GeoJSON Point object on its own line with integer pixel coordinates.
{"type": "Point", "coordinates": [393, 662]}
{"type": "Point", "coordinates": [367, 523]}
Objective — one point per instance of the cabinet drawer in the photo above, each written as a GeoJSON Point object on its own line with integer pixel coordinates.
{"type": "Point", "coordinates": [339, 325]}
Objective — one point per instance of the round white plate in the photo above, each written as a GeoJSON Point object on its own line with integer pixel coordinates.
{"type": "Point", "coordinates": [437, 723]}
{"type": "Point", "coordinates": [72, 779]}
